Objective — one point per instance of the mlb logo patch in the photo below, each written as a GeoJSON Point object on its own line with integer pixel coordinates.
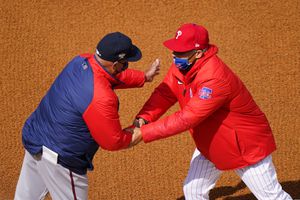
{"type": "Point", "coordinates": [205, 93]}
{"type": "Point", "coordinates": [84, 66]}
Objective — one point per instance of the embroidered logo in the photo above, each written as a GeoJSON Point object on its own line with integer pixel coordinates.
{"type": "Point", "coordinates": [205, 93]}
{"type": "Point", "coordinates": [178, 34]}
{"type": "Point", "coordinates": [84, 66]}
{"type": "Point", "coordinates": [122, 55]}
{"type": "Point", "coordinates": [98, 53]}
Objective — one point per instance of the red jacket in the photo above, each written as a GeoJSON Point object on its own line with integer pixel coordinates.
{"type": "Point", "coordinates": [101, 116]}
{"type": "Point", "coordinates": [227, 126]}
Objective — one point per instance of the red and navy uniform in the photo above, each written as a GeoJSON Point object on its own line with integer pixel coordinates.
{"type": "Point", "coordinates": [79, 113]}
{"type": "Point", "coordinates": [226, 124]}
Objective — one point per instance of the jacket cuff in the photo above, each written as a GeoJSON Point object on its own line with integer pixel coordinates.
{"type": "Point", "coordinates": [147, 133]}
{"type": "Point", "coordinates": [143, 78]}
{"type": "Point", "coordinates": [127, 140]}
{"type": "Point", "coordinates": [145, 117]}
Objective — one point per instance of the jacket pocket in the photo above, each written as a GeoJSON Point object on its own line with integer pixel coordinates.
{"type": "Point", "coordinates": [220, 145]}
{"type": "Point", "coordinates": [225, 141]}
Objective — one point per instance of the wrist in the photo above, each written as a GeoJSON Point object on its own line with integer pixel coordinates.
{"type": "Point", "coordinates": [146, 77]}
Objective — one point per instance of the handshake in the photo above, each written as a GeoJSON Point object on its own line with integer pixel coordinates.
{"type": "Point", "coordinates": [135, 129]}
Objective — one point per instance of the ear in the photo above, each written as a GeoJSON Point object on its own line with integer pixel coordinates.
{"type": "Point", "coordinates": [199, 54]}
{"type": "Point", "coordinates": [114, 66]}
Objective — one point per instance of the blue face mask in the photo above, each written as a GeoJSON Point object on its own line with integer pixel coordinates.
{"type": "Point", "coordinates": [182, 63]}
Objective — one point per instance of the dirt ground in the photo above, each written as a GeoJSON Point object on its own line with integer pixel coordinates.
{"type": "Point", "coordinates": [259, 40]}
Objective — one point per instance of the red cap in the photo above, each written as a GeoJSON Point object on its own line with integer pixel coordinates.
{"type": "Point", "coordinates": [187, 38]}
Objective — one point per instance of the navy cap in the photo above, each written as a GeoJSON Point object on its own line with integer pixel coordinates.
{"type": "Point", "coordinates": [117, 46]}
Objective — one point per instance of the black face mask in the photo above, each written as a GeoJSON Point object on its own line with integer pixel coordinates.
{"type": "Point", "coordinates": [124, 67]}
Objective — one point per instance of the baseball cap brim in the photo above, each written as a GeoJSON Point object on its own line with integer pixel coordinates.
{"type": "Point", "coordinates": [174, 45]}
{"type": "Point", "coordinates": [135, 54]}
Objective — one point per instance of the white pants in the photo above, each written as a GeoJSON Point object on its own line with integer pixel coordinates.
{"type": "Point", "coordinates": [38, 177]}
{"type": "Point", "coordinates": [260, 178]}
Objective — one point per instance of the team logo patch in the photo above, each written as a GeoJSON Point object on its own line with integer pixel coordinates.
{"type": "Point", "coordinates": [205, 93]}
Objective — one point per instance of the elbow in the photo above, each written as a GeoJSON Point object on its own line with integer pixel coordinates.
{"type": "Point", "coordinates": [111, 140]}
{"type": "Point", "coordinates": [113, 145]}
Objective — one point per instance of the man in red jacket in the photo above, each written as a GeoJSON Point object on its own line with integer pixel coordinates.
{"type": "Point", "coordinates": [229, 129]}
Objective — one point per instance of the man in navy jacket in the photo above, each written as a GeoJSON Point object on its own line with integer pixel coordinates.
{"type": "Point", "coordinates": [78, 114]}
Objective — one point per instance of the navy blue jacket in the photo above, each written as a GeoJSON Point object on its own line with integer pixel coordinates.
{"type": "Point", "coordinates": [80, 112]}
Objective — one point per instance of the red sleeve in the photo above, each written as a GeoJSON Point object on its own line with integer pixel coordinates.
{"type": "Point", "coordinates": [200, 106]}
{"type": "Point", "coordinates": [102, 119]}
{"type": "Point", "coordinates": [159, 102]}
{"type": "Point", "coordinates": [131, 79]}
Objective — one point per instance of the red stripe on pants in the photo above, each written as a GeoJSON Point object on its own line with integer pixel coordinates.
{"type": "Point", "coordinates": [73, 186]}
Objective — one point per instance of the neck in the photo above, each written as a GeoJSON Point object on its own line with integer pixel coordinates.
{"type": "Point", "coordinates": [104, 63]}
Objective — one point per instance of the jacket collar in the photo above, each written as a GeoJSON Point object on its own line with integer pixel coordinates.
{"type": "Point", "coordinates": [96, 65]}
{"type": "Point", "coordinates": [190, 75]}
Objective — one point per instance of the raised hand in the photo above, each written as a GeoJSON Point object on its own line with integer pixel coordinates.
{"type": "Point", "coordinates": [153, 70]}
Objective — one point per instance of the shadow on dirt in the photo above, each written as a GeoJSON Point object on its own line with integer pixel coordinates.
{"type": "Point", "coordinates": [291, 187]}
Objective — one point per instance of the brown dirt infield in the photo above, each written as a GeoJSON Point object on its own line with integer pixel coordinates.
{"type": "Point", "coordinates": [259, 40]}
